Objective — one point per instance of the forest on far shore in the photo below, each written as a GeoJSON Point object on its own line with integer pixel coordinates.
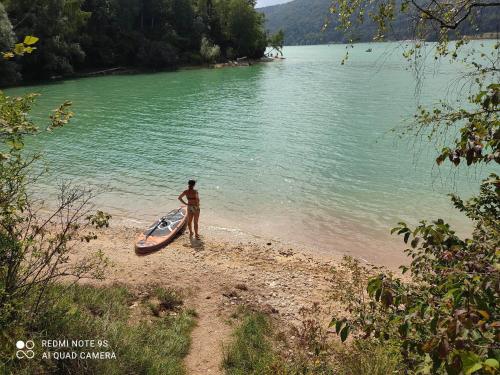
{"type": "Point", "coordinates": [303, 23]}
{"type": "Point", "coordinates": [87, 35]}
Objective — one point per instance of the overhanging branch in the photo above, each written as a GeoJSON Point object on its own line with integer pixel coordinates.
{"type": "Point", "coordinates": [452, 26]}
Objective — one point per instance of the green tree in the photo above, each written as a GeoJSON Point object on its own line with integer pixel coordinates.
{"type": "Point", "coordinates": [245, 28]}
{"type": "Point", "coordinates": [8, 69]}
{"type": "Point", "coordinates": [209, 52]}
{"type": "Point", "coordinates": [276, 42]}
{"type": "Point", "coordinates": [154, 34]}
{"type": "Point", "coordinates": [35, 248]}
{"type": "Point", "coordinates": [242, 28]}
{"type": "Point", "coordinates": [7, 36]}
{"type": "Point", "coordinates": [57, 23]}
{"type": "Point", "coordinates": [446, 319]}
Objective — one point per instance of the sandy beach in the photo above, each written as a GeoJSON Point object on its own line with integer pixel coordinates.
{"type": "Point", "coordinates": [222, 271]}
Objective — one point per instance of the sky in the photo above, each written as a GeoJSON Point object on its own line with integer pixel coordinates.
{"type": "Point", "coordinates": [265, 3]}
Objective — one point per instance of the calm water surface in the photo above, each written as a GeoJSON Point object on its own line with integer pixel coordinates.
{"type": "Point", "coordinates": [299, 149]}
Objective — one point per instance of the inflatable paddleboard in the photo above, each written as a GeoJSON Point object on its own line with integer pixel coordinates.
{"type": "Point", "coordinates": [162, 231]}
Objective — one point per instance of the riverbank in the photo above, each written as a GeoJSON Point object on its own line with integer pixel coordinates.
{"type": "Point", "coordinates": [240, 62]}
{"type": "Point", "coordinates": [128, 71]}
{"type": "Point", "coordinates": [218, 274]}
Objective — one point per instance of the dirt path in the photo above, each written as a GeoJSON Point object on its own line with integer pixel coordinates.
{"type": "Point", "coordinates": [216, 276]}
{"type": "Point", "coordinates": [208, 337]}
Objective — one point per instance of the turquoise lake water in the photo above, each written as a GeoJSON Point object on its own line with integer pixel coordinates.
{"type": "Point", "coordinates": [298, 149]}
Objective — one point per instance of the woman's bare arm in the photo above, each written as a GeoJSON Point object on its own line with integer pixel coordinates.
{"type": "Point", "coordinates": [183, 194]}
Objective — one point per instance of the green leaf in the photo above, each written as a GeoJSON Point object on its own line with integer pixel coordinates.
{"type": "Point", "coordinates": [344, 333]}
{"type": "Point", "coordinates": [414, 242]}
{"type": "Point", "coordinates": [72, 311]}
{"type": "Point", "coordinates": [406, 237]}
{"type": "Point", "coordinates": [403, 230]}
{"type": "Point", "coordinates": [15, 144]}
{"type": "Point", "coordinates": [19, 49]}
{"type": "Point", "coordinates": [30, 40]}
{"type": "Point", "coordinates": [339, 325]}
{"type": "Point", "coordinates": [471, 362]}
{"type": "Point", "coordinates": [374, 284]}
{"type": "Point", "coordinates": [492, 362]}
{"type": "Point", "coordinates": [451, 293]}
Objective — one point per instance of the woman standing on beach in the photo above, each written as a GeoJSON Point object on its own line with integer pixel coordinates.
{"type": "Point", "coordinates": [193, 207]}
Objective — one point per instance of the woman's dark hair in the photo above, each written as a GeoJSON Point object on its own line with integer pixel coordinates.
{"type": "Point", "coordinates": [191, 183]}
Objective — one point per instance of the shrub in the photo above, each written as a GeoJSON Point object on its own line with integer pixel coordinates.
{"type": "Point", "coordinates": [445, 319]}
{"type": "Point", "coordinates": [35, 247]}
{"type": "Point", "coordinates": [310, 350]}
{"type": "Point", "coordinates": [208, 51]}
{"type": "Point", "coordinates": [259, 347]}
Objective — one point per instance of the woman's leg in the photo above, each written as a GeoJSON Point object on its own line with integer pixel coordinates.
{"type": "Point", "coordinates": [190, 222]}
{"type": "Point", "coordinates": [196, 217]}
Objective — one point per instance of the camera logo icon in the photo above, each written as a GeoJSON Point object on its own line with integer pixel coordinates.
{"type": "Point", "coordinates": [25, 349]}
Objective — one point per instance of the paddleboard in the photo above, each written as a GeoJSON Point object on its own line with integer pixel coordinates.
{"type": "Point", "coordinates": [162, 231]}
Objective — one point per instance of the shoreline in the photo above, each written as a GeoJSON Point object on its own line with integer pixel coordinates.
{"type": "Point", "coordinates": [226, 260]}
{"type": "Point", "coordinates": [387, 252]}
{"type": "Point", "coordinates": [264, 59]}
{"type": "Point", "coordinates": [216, 278]}
{"type": "Point", "coordinates": [124, 71]}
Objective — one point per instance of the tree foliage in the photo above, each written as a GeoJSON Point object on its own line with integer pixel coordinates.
{"type": "Point", "coordinates": [445, 319]}
{"type": "Point", "coordinates": [58, 24]}
{"type": "Point", "coordinates": [208, 51]}
{"type": "Point", "coordinates": [276, 42]}
{"type": "Point", "coordinates": [423, 19]}
{"type": "Point", "coordinates": [476, 126]}
{"type": "Point", "coordinates": [36, 244]}
{"type": "Point", "coordinates": [81, 35]}
{"type": "Point", "coordinates": [242, 27]}
{"type": "Point", "coordinates": [8, 69]}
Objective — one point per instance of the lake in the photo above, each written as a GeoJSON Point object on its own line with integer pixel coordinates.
{"type": "Point", "coordinates": [300, 149]}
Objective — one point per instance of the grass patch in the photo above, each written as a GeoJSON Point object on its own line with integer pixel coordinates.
{"type": "Point", "coordinates": [258, 347]}
{"type": "Point", "coordinates": [142, 345]}
{"type": "Point", "coordinates": [365, 357]}
{"type": "Point", "coordinates": [250, 351]}
{"type": "Point", "coordinates": [166, 300]}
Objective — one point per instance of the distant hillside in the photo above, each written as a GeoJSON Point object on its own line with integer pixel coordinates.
{"type": "Point", "coordinates": [303, 20]}
{"type": "Point", "coordinates": [268, 3]}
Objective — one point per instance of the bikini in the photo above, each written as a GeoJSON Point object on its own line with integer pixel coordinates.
{"type": "Point", "coordinates": [193, 208]}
